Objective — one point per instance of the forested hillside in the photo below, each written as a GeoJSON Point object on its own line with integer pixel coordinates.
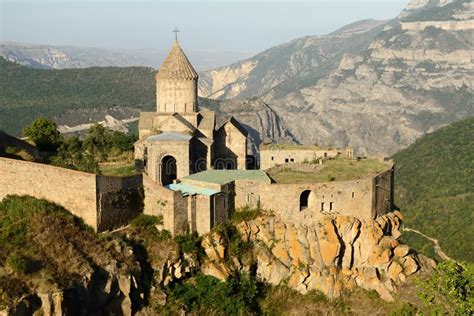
{"type": "Point", "coordinates": [434, 187]}
{"type": "Point", "coordinates": [27, 93]}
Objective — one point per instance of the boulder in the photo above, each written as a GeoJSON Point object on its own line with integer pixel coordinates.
{"type": "Point", "coordinates": [401, 251]}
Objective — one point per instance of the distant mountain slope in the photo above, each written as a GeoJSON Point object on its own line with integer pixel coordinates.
{"type": "Point", "coordinates": [302, 61]}
{"type": "Point", "coordinates": [434, 186]}
{"type": "Point", "coordinates": [64, 57]}
{"type": "Point", "coordinates": [407, 79]}
{"type": "Point", "coordinates": [77, 96]}
{"type": "Point", "coordinates": [27, 93]}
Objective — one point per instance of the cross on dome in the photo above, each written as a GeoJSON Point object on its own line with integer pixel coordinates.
{"type": "Point", "coordinates": [175, 31]}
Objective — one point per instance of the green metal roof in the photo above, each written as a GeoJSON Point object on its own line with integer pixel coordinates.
{"type": "Point", "coordinates": [188, 189]}
{"type": "Point", "coordinates": [226, 176]}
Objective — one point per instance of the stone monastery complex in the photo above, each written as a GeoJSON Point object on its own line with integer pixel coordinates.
{"type": "Point", "coordinates": [195, 172]}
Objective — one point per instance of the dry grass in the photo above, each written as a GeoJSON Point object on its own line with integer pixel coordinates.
{"type": "Point", "coordinates": [117, 169]}
{"type": "Point", "coordinates": [338, 169]}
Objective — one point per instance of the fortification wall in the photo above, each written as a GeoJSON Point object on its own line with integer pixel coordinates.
{"type": "Point", "coordinates": [120, 199]}
{"type": "Point", "coordinates": [270, 158]}
{"type": "Point", "coordinates": [383, 196]}
{"type": "Point", "coordinates": [159, 201]}
{"type": "Point", "coordinates": [365, 198]}
{"type": "Point", "coordinates": [203, 211]}
{"type": "Point", "coordinates": [443, 25]}
{"type": "Point", "coordinates": [74, 190]}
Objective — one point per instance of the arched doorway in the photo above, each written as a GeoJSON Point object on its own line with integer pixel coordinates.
{"type": "Point", "coordinates": [304, 199]}
{"type": "Point", "coordinates": [168, 170]}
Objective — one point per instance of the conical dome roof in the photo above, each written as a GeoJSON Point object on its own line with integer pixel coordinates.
{"type": "Point", "coordinates": [176, 66]}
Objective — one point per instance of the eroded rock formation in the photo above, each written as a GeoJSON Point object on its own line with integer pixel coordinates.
{"type": "Point", "coordinates": [339, 253]}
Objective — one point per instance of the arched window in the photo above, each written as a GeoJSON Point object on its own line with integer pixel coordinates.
{"type": "Point", "coordinates": [304, 199]}
{"type": "Point", "coordinates": [168, 170]}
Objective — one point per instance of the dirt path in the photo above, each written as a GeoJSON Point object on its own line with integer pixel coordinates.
{"type": "Point", "coordinates": [436, 246]}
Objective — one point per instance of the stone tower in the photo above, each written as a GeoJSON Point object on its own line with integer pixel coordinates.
{"type": "Point", "coordinates": [176, 84]}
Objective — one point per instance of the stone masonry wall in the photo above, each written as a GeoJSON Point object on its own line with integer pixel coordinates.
{"type": "Point", "coordinates": [270, 158]}
{"type": "Point", "coordinates": [352, 198]}
{"type": "Point", "coordinates": [159, 201]}
{"type": "Point", "coordinates": [74, 190]}
{"type": "Point", "coordinates": [102, 202]}
{"type": "Point", "coordinates": [203, 209]}
{"type": "Point", "coordinates": [120, 199]}
{"type": "Point", "coordinates": [383, 196]}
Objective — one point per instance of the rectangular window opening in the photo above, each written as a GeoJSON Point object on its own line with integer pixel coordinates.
{"type": "Point", "coordinates": [322, 206]}
{"type": "Point", "coordinates": [330, 206]}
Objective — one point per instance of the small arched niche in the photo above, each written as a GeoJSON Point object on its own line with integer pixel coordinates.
{"type": "Point", "coordinates": [304, 199]}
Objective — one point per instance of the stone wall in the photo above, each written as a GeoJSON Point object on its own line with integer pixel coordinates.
{"type": "Point", "coordinates": [74, 190]}
{"type": "Point", "coordinates": [270, 157]}
{"type": "Point", "coordinates": [159, 201]}
{"type": "Point", "coordinates": [365, 198]}
{"type": "Point", "coordinates": [98, 200]}
{"type": "Point", "coordinates": [120, 199]}
{"type": "Point", "coordinates": [383, 196]}
{"type": "Point", "coordinates": [203, 210]}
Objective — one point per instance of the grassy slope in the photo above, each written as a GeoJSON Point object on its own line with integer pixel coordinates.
{"type": "Point", "coordinates": [27, 93]}
{"type": "Point", "coordinates": [338, 169]}
{"type": "Point", "coordinates": [434, 189]}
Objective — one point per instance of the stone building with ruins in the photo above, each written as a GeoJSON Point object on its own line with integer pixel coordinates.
{"type": "Point", "coordinates": [193, 172]}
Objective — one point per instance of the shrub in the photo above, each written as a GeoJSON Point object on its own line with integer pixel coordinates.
{"type": "Point", "coordinates": [246, 213]}
{"type": "Point", "coordinates": [405, 310]}
{"type": "Point", "coordinates": [189, 243]}
{"type": "Point", "coordinates": [236, 296]}
{"type": "Point", "coordinates": [450, 288]}
{"type": "Point", "coordinates": [235, 246]}
{"type": "Point", "coordinates": [19, 263]}
{"type": "Point", "coordinates": [146, 221]}
{"type": "Point", "coordinates": [316, 296]}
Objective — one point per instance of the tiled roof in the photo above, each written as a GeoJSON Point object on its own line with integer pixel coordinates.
{"type": "Point", "coordinates": [226, 176]}
{"type": "Point", "coordinates": [232, 120]}
{"type": "Point", "coordinates": [146, 120]}
{"type": "Point", "coordinates": [208, 121]}
{"type": "Point", "coordinates": [176, 66]}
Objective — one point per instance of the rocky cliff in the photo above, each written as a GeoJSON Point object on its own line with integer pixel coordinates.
{"type": "Point", "coordinates": [407, 77]}
{"type": "Point", "coordinates": [338, 254]}
{"type": "Point", "coordinates": [300, 61]}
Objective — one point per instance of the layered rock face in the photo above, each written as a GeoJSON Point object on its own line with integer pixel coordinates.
{"type": "Point", "coordinates": [411, 77]}
{"type": "Point", "coordinates": [339, 253]}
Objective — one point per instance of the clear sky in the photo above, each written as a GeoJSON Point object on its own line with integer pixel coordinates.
{"type": "Point", "coordinates": [205, 25]}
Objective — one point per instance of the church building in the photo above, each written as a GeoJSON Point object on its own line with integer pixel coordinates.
{"type": "Point", "coordinates": [178, 139]}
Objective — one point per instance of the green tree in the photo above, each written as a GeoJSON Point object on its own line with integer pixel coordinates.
{"type": "Point", "coordinates": [44, 133]}
{"type": "Point", "coordinates": [72, 155]}
{"type": "Point", "coordinates": [450, 289]}
{"type": "Point", "coordinates": [98, 142]}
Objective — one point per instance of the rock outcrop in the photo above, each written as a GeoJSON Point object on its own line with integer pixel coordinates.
{"type": "Point", "coordinates": [339, 253]}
